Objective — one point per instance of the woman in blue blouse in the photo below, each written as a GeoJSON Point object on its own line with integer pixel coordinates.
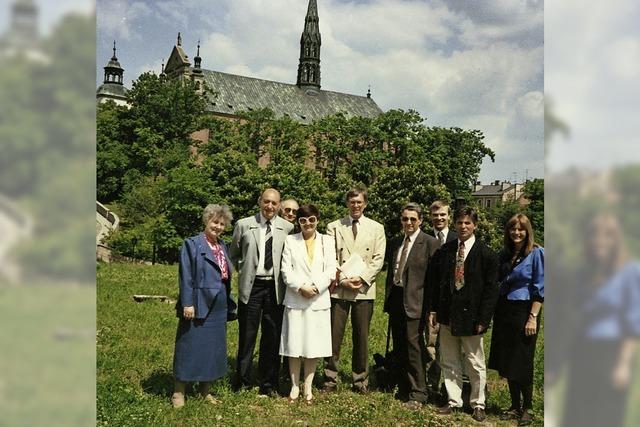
{"type": "Point", "coordinates": [204, 306]}
{"type": "Point", "coordinates": [517, 315]}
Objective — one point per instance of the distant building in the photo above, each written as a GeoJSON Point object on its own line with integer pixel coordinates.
{"type": "Point", "coordinates": [22, 39]}
{"type": "Point", "coordinates": [232, 94]}
{"type": "Point", "coordinates": [112, 88]}
{"type": "Point", "coordinates": [497, 193]}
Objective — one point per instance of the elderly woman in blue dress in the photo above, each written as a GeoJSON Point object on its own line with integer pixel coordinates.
{"type": "Point", "coordinates": [308, 266]}
{"type": "Point", "coordinates": [517, 315]}
{"type": "Point", "coordinates": [204, 306]}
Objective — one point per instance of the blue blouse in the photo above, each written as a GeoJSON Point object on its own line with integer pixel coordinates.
{"type": "Point", "coordinates": [526, 280]}
{"type": "Point", "coordinates": [613, 311]}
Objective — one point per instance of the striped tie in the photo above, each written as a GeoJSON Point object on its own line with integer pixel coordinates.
{"type": "Point", "coordinates": [268, 248]}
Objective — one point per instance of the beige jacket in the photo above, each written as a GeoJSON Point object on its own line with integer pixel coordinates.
{"type": "Point", "coordinates": [370, 245]}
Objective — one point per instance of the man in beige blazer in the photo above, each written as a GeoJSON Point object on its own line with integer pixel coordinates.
{"type": "Point", "coordinates": [354, 234]}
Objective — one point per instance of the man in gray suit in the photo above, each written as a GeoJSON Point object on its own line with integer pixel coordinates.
{"type": "Point", "coordinates": [354, 234]}
{"type": "Point", "coordinates": [255, 251]}
{"type": "Point", "coordinates": [408, 259]}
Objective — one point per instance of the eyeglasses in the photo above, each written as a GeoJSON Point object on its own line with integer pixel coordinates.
{"type": "Point", "coordinates": [409, 218]}
{"type": "Point", "coordinates": [290, 210]}
{"type": "Point", "coordinates": [311, 220]}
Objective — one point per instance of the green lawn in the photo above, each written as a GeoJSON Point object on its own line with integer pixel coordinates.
{"type": "Point", "coordinates": [134, 370]}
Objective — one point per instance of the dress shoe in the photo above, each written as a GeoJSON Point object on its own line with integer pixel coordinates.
{"type": "Point", "coordinates": [511, 414]}
{"type": "Point", "coordinates": [210, 399]}
{"type": "Point", "coordinates": [329, 388]}
{"type": "Point", "coordinates": [360, 389]}
{"type": "Point", "coordinates": [177, 400]}
{"type": "Point", "coordinates": [445, 410]}
{"type": "Point", "coordinates": [414, 405]}
{"type": "Point", "coordinates": [526, 418]}
{"type": "Point", "coordinates": [267, 392]}
{"type": "Point", "coordinates": [478, 414]}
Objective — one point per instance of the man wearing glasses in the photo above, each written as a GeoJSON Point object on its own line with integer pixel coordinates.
{"type": "Point", "coordinates": [288, 210]}
{"type": "Point", "coordinates": [407, 262]}
{"type": "Point", "coordinates": [256, 250]}
{"type": "Point", "coordinates": [361, 242]}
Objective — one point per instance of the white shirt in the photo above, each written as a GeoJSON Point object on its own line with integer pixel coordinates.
{"type": "Point", "coordinates": [260, 271]}
{"type": "Point", "coordinates": [445, 232]}
{"type": "Point", "coordinates": [468, 244]}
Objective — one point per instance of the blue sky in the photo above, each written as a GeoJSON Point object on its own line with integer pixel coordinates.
{"type": "Point", "coordinates": [472, 65]}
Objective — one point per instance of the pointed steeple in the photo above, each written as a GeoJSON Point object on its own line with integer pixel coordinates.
{"type": "Point", "coordinates": [197, 61]}
{"type": "Point", "coordinates": [309, 64]}
{"type": "Point", "coordinates": [113, 72]}
{"type": "Point", "coordinates": [162, 74]}
{"type": "Point", "coordinates": [179, 42]}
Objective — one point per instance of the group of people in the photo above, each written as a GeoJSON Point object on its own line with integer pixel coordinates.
{"type": "Point", "coordinates": [299, 286]}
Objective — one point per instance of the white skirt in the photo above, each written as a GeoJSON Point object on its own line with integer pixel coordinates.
{"type": "Point", "coordinates": [306, 333]}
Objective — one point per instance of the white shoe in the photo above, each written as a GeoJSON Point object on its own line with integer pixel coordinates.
{"type": "Point", "coordinates": [177, 400]}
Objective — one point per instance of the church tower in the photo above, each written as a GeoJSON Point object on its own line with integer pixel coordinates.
{"type": "Point", "coordinates": [113, 87]}
{"type": "Point", "coordinates": [309, 65]}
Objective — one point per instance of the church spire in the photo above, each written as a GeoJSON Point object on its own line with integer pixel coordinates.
{"type": "Point", "coordinates": [309, 65]}
{"type": "Point", "coordinates": [113, 72]}
{"type": "Point", "coordinates": [197, 60]}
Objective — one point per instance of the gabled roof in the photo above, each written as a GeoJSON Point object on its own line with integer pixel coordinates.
{"type": "Point", "coordinates": [232, 94]}
{"type": "Point", "coordinates": [177, 59]}
{"type": "Point", "coordinates": [491, 190]}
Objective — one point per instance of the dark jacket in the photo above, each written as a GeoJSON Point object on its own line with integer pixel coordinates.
{"type": "Point", "coordinates": [200, 278]}
{"type": "Point", "coordinates": [414, 274]}
{"type": "Point", "coordinates": [475, 303]}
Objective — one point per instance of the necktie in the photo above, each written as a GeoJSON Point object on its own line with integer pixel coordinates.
{"type": "Point", "coordinates": [441, 237]}
{"type": "Point", "coordinates": [397, 275]}
{"type": "Point", "coordinates": [354, 228]}
{"type": "Point", "coordinates": [459, 276]}
{"type": "Point", "coordinates": [268, 245]}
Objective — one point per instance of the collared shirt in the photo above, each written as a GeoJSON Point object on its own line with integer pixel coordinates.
{"type": "Point", "coordinates": [412, 239]}
{"type": "Point", "coordinates": [260, 271]}
{"type": "Point", "coordinates": [445, 232]}
{"type": "Point", "coordinates": [468, 244]}
{"type": "Point", "coordinates": [358, 224]}
{"type": "Point", "coordinates": [526, 280]}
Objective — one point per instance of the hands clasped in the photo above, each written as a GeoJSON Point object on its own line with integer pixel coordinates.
{"type": "Point", "coordinates": [308, 291]}
{"type": "Point", "coordinates": [353, 283]}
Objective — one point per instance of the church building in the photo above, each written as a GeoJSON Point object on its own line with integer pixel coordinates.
{"type": "Point", "coordinates": [230, 94]}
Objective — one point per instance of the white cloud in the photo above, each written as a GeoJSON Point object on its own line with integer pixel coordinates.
{"type": "Point", "coordinates": [118, 17]}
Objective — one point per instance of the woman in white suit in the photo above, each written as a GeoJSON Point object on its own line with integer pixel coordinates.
{"type": "Point", "coordinates": [308, 266]}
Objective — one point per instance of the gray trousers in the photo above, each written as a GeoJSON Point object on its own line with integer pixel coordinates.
{"type": "Point", "coordinates": [361, 313]}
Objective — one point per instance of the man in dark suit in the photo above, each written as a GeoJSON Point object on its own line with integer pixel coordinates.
{"type": "Point", "coordinates": [256, 250]}
{"type": "Point", "coordinates": [439, 213]}
{"type": "Point", "coordinates": [407, 261]}
{"type": "Point", "coordinates": [463, 302]}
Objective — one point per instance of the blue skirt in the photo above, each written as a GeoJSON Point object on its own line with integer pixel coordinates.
{"type": "Point", "coordinates": [201, 344]}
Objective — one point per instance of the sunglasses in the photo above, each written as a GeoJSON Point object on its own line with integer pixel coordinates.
{"type": "Point", "coordinates": [311, 220]}
{"type": "Point", "coordinates": [290, 210]}
{"type": "Point", "coordinates": [409, 218]}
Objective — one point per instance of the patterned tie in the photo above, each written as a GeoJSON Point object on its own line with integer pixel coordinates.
{"type": "Point", "coordinates": [268, 245]}
{"type": "Point", "coordinates": [397, 274]}
{"type": "Point", "coordinates": [354, 228]}
{"type": "Point", "coordinates": [459, 276]}
{"type": "Point", "coordinates": [441, 237]}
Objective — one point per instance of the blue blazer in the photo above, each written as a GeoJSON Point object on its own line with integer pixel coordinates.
{"type": "Point", "coordinates": [201, 278]}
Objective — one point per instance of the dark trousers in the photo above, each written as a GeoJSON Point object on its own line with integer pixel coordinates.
{"type": "Point", "coordinates": [408, 342]}
{"type": "Point", "coordinates": [263, 311]}
{"type": "Point", "coordinates": [361, 312]}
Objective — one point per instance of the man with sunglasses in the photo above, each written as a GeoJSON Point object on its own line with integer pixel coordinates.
{"type": "Point", "coordinates": [407, 261]}
{"type": "Point", "coordinates": [355, 236]}
{"type": "Point", "coordinates": [256, 251]}
{"type": "Point", "coordinates": [288, 210]}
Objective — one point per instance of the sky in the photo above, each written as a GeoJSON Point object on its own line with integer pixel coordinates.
{"type": "Point", "coordinates": [473, 65]}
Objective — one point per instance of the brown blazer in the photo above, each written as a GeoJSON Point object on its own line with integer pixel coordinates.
{"type": "Point", "coordinates": [414, 274]}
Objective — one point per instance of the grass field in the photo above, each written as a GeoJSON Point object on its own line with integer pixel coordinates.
{"type": "Point", "coordinates": [134, 370]}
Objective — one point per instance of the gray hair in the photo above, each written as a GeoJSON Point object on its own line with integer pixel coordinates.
{"type": "Point", "coordinates": [217, 211]}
